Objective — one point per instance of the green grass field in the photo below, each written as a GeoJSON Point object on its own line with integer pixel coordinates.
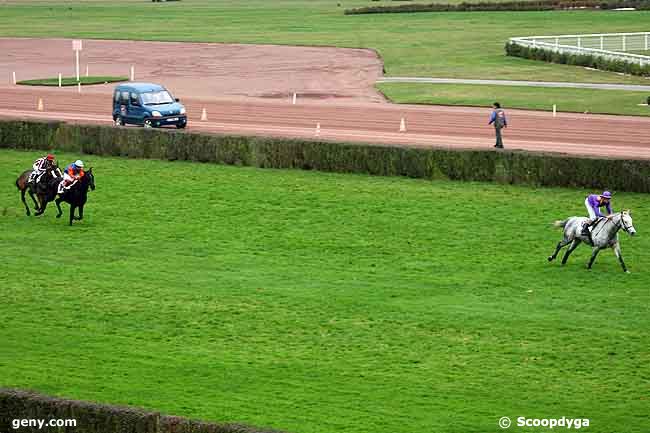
{"type": "Point", "coordinates": [538, 98]}
{"type": "Point", "coordinates": [322, 303]}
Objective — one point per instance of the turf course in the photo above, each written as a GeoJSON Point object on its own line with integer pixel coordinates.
{"type": "Point", "coordinates": [452, 45]}
{"type": "Point", "coordinates": [537, 98]}
{"type": "Point", "coordinates": [322, 303]}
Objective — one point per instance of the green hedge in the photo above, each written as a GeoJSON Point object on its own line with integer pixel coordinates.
{"type": "Point", "coordinates": [100, 418]}
{"type": "Point", "coordinates": [587, 60]}
{"type": "Point", "coordinates": [533, 5]}
{"type": "Point", "coordinates": [517, 167]}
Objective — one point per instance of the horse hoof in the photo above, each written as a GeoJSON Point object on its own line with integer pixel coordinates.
{"type": "Point", "coordinates": [550, 258]}
{"type": "Point", "coordinates": [628, 272]}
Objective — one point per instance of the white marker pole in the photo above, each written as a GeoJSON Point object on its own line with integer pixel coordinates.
{"type": "Point", "coordinates": [14, 76]}
{"type": "Point", "coordinates": [86, 69]}
{"type": "Point", "coordinates": [132, 73]}
{"type": "Point", "coordinates": [294, 99]}
{"type": "Point", "coordinates": [77, 69]}
{"type": "Point", "coordinates": [554, 110]}
{"type": "Point", "coordinates": [60, 79]}
{"type": "Point", "coordinates": [79, 86]}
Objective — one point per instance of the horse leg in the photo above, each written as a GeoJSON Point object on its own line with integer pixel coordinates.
{"type": "Point", "coordinates": [617, 251]}
{"type": "Point", "coordinates": [81, 213]}
{"type": "Point", "coordinates": [58, 206]}
{"type": "Point", "coordinates": [41, 208]}
{"type": "Point", "coordinates": [573, 246]}
{"type": "Point", "coordinates": [37, 206]}
{"type": "Point", "coordinates": [22, 197]}
{"type": "Point", "coordinates": [72, 209]}
{"type": "Point", "coordinates": [559, 246]}
{"type": "Point", "coordinates": [594, 253]}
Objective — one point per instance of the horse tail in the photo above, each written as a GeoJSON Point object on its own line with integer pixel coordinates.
{"type": "Point", "coordinates": [20, 182]}
{"type": "Point", "coordinates": [560, 223]}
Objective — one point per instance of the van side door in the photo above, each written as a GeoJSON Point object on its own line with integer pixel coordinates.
{"type": "Point", "coordinates": [136, 111]}
{"type": "Point", "coordinates": [122, 105]}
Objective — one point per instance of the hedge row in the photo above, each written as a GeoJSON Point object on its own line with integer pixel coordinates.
{"type": "Point", "coordinates": [100, 418]}
{"type": "Point", "coordinates": [587, 60]}
{"type": "Point", "coordinates": [537, 5]}
{"type": "Point", "coordinates": [517, 167]}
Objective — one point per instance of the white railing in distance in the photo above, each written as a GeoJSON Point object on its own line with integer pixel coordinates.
{"type": "Point", "coordinates": [620, 46]}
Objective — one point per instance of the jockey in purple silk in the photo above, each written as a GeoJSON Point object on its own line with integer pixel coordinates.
{"type": "Point", "coordinates": [593, 203]}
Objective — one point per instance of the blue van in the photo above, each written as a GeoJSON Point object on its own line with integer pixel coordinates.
{"type": "Point", "coordinates": [147, 104]}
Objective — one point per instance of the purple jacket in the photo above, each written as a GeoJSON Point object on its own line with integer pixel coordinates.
{"type": "Point", "coordinates": [595, 205]}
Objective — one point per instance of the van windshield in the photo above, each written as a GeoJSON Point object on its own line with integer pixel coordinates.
{"type": "Point", "coordinates": [156, 98]}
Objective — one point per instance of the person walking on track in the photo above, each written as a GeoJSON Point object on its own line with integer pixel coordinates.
{"type": "Point", "coordinates": [498, 119]}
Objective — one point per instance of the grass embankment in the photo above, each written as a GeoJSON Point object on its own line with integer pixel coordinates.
{"type": "Point", "coordinates": [72, 81]}
{"type": "Point", "coordinates": [322, 303]}
{"type": "Point", "coordinates": [537, 98]}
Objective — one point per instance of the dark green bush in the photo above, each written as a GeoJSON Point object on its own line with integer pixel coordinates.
{"type": "Point", "coordinates": [587, 60]}
{"type": "Point", "coordinates": [101, 418]}
{"type": "Point", "coordinates": [432, 163]}
{"type": "Point", "coordinates": [539, 5]}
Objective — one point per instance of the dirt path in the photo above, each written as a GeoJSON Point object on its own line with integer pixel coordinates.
{"type": "Point", "coordinates": [204, 70]}
{"type": "Point", "coordinates": [613, 136]}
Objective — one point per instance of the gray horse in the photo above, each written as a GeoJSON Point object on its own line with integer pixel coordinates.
{"type": "Point", "coordinates": [604, 235]}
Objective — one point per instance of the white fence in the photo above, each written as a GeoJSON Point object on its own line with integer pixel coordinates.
{"type": "Point", "coordinates": [618, 46]}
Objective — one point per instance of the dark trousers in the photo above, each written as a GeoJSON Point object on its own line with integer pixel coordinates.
{"type": "Point", "coordinates": [499, 140]}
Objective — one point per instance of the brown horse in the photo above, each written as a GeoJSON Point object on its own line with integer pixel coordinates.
{"type": "Point", "coordinates": [24, 186]}
{"type": "Point", "coordinates": [40, 190]}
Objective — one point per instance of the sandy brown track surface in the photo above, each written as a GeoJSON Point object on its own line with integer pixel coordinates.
{"type": "Point", "coordinates": [346, 110]}
{"type": "Point", "coordinates": [203, 69]}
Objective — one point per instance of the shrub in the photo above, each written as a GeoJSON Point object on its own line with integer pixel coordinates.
{"type": "Point", "coordinates": [539, 5]}
{"type": "Point", "coordinates": [587, 60]}
{"type": "Point", "coordinates": [426, 163]}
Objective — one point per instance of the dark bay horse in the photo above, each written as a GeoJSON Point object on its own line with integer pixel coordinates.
{"type": "Point", "coordinates": [76, 196]}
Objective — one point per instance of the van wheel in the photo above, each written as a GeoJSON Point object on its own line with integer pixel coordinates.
{"type": "Point", "coordinates": [147, 123]}
{"type": "Point", "coordinates": [181, 125]}
{"type": "Point", "coordinates": [119, 121]}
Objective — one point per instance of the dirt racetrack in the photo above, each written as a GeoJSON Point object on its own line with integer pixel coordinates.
{"type": "Point", "coordinates": [246, 90]}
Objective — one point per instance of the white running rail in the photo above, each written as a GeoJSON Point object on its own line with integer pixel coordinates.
{"type": "Point", "coordinates": [613, 46]}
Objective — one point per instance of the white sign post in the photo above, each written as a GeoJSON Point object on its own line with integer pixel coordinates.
{"type": "Point", "coordinates": [76, 46]}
